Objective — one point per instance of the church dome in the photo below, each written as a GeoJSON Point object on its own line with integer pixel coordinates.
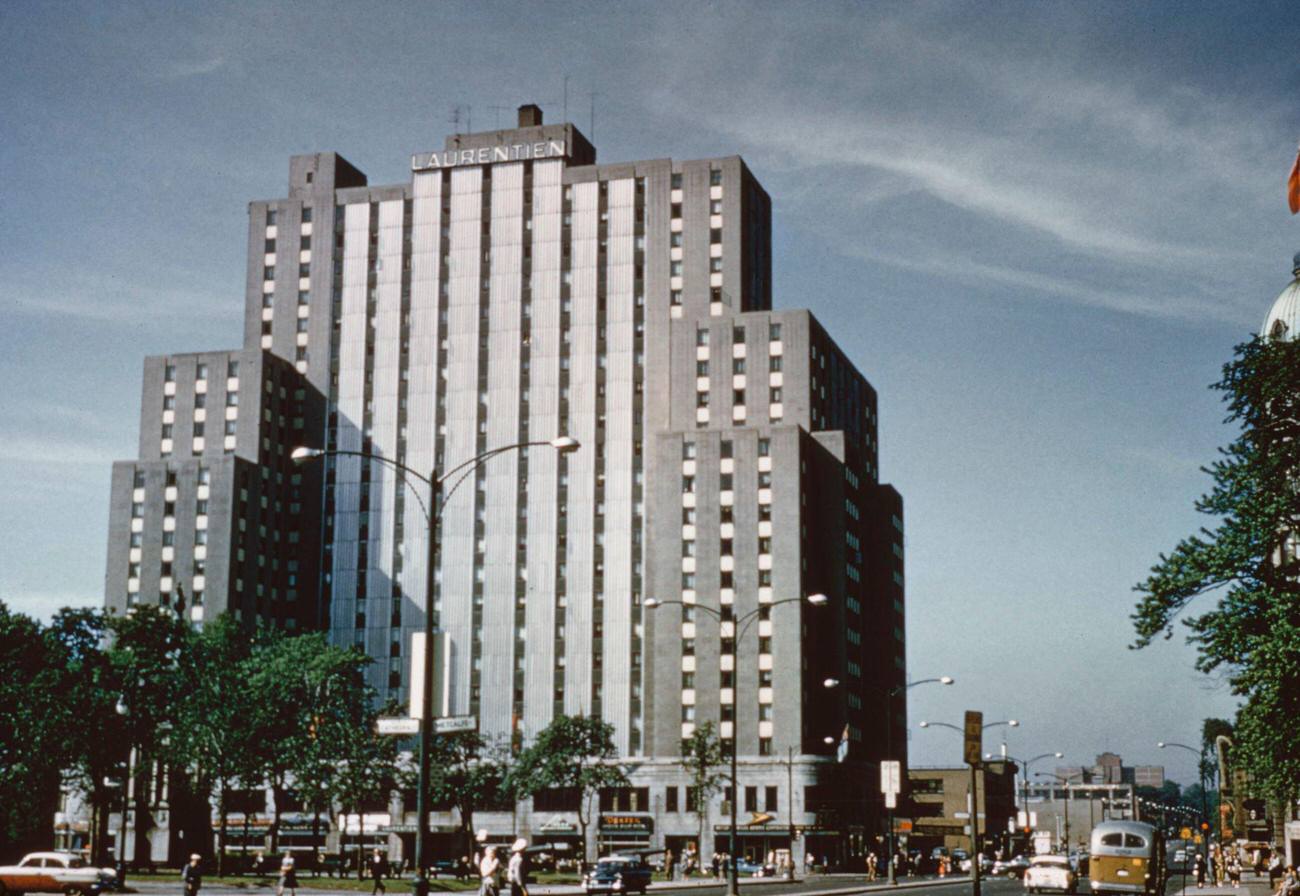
{"type": "Point", "coordinates": [1283, 321]}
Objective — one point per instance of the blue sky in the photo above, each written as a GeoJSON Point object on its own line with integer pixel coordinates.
{"type": "Point", "coordinates": [1038, 228]}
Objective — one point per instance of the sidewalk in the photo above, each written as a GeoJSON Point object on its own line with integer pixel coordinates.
{"type": "Point", "coordinates": [1251, 885]}
{"type": "Point", "coordinates": [834, 885]}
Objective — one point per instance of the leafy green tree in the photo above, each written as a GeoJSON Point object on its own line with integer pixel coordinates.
{"type": "Point", "coordinates": [32, 719]}
{"type": "Point", "coordinates": [309, 696]}
{"type": "Point", "coordinates": [575, 752]}
{"type": "Point", "coordinates": [149, 648]}
{"type": "Point", "coordinates": [215, 723]}
{"type": "Point", "coordinates": [703, 759]}
{"type": "Point", "coordinates": [94, 736]}
{"type": "Point", "coordinates": [1249, 560]}
{"type": "Point", "coordinates": [366, 767]}
{"type": "Point", "coordinates": [466, 772]}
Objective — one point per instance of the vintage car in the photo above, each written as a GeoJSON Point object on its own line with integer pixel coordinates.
{"type": "Point", "coordinates": [1050, 873]}
{"type": "Point", "coordinates": [1016, 866]}
{"type": "Point", "coordinates": [54, 872]}
{"type": "Point", "coordinates": [617, 875]}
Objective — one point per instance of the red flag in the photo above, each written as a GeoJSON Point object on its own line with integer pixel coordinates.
{"type": "Point", "coordinates": [1293, 185]}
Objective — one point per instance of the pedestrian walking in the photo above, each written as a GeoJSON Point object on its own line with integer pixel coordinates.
{"type": "Point", "coordinates": [192, 876]}
{"type": "Point", "coordinates": [378, 871]}
{"type": "Point", "coordinates": [259, 864]}
{"type": "Point", "coordinates": [488, 868]}
{"type": "Point", "coordinates": [670, 864]}
{"type": "Point", "coordinates": [288, 877]}
{"type": "Point", "coordinates": [1198, 869]}
{"type": "Point", "coordinates": [515, 870]}
{"type": "Point", "coordinates": [871, 866]}
{"type": "Point", "coordinates": [1234, 871]}
{"type": "Point", "coordinates": [1274, 870]}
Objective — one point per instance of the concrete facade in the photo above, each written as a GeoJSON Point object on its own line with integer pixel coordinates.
{"type": "Point", "coordinates": [513, 291]}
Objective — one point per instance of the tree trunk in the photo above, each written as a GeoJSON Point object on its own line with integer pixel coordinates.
{"type": "Point", "coordinates": [278, 794]}
{"type": "Point", "coordinates": [223, 816]}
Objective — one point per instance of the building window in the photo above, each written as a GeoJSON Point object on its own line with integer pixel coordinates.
{"type": "Point", "coordinates": [715, 206]}
{"type": "Point", "coordinates": [715, 178]}
{"type": "Point", "coordinates": [270, 217]}
{"type": "Point", "coordinates": [675, 269]}
{"type": "Point", "coordinates": [677, 210]}
{"type": "Point", "coordinates": [169, 373]}
{"type": "Point", "coordinates": [774, 363]}
{"type": "Point", "coordinates": [138, 480]}
{"type": "Point", "coordinates": [268, 272]}
{"type": "Point", "coordinates": [306, 214]}
{"type": "Point", "coordinates": [764, 447]}
{"type": "Point", "coordinates": [774, 332]}
{"type": "Point", "coordinates": [751, 799]}
{"type": "Point", "coordinates": [670, 799]}
{"type": "Point", "coordinates": [676, 182]}
{"type": "Point", "coordinates": [701, 337]}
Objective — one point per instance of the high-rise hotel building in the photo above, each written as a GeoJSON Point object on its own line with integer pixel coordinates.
{"type": "Point", "coordinates": [514, 290]}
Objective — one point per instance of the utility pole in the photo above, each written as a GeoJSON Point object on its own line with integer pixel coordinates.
{"type": "Point", "coordinates": [789, 770]}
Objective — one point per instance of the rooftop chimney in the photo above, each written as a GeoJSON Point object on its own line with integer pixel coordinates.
{"type": "Point", "coordinates": [530, 116]}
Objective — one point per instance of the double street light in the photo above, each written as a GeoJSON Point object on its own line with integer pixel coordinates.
{"type": "Point", "coordinates": [739, 626]}
{"type": "Point", "coordinates": [974, 801]}
{"type": "Point", "coordinates": [1067, 780]}
{"type": "Point", "coordinates": [1024, 776]}
{"type": "Point", "coordinates": [434, 481]}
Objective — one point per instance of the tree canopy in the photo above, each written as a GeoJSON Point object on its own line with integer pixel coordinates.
{"type": "Point", "coordinates": [1249, 560]}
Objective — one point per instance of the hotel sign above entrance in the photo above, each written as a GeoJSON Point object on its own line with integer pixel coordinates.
{"type": "Point", "coordinates": [486, 155]}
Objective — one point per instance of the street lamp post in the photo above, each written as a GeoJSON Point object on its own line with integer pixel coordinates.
{"type": "Point", "coordinates": [124, 710]}
{"type": "Point", "coordinates": [1067, 780]}
{"type": "Point", "coordinates": [741, 626]}
{"type": "Point", "coordinates": [889, 755]}
{"type": "Point", "coordinates": [974, 799]}
{"type": "Point", "coordinates": [1024, 776]}
{"type": "Point", "coordinates": [1200, 771]}
{"type": "Point", "coordinates": [434, 481]}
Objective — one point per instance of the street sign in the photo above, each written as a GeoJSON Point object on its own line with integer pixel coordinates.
{"type": "Point", "coordinates": [974, 730]}
{"type": "Point", "coordinates": [453, 724]}
{"type": "Point", "coordinates": [449, 725]}
{"type": "Point", "coordinates": [891, 800]}
{"type": "Point", "coordinates": [891, 777]}
{"type": "Point", "coordinates": [397, 726]}
{"type": "Point", "coordinates": [1185, 834]}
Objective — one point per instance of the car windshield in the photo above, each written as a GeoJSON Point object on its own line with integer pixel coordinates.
{"type": "Point", "coordinates": [1051, 861]}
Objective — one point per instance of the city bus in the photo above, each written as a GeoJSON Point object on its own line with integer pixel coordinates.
{"type": "Point", "coordinates": [1126, 857]}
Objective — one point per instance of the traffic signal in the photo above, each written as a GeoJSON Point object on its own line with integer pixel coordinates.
{"type": "Point", "coordinates": [1205, 825]}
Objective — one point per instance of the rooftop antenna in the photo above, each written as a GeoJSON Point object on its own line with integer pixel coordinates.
{"type": "Point", "coordinates": [565, 118]}
{"type": "Point", "coordinates": [456, 111]}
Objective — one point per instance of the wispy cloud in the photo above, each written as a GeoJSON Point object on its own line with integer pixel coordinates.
{"type": "Point", "coordinates": [193, 67]}
{"type": "Point", "coordinates": [108, 300]}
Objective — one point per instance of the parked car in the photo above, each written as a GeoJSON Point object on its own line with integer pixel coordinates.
{"type": "Point", "coordinates": [1048, 872]}
{"type": "Point", "coordinates": [985, 863]}
{"type": "Point", "coordinates": [754, 869]}
{"type": "Point", "coordinates": [1012, 867]}
{"type": "Point", "coordinates": [55, 872]}
{"type": "Point", "coordinates": [618, 874]}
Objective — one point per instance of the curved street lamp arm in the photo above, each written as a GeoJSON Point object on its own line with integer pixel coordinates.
{"type": "Point", "coordinates": [744, 622]}
{"type": "Point", "coordinates": [668, 603]}
{"type": "Point", "coordinates": [1168, 743]}
{"type": "Point", "coordinates": [492, 452]}
{"type": "Point", "coordinates": [396, 465]}
{"type": "Point", "coordinates": [944, 725]}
